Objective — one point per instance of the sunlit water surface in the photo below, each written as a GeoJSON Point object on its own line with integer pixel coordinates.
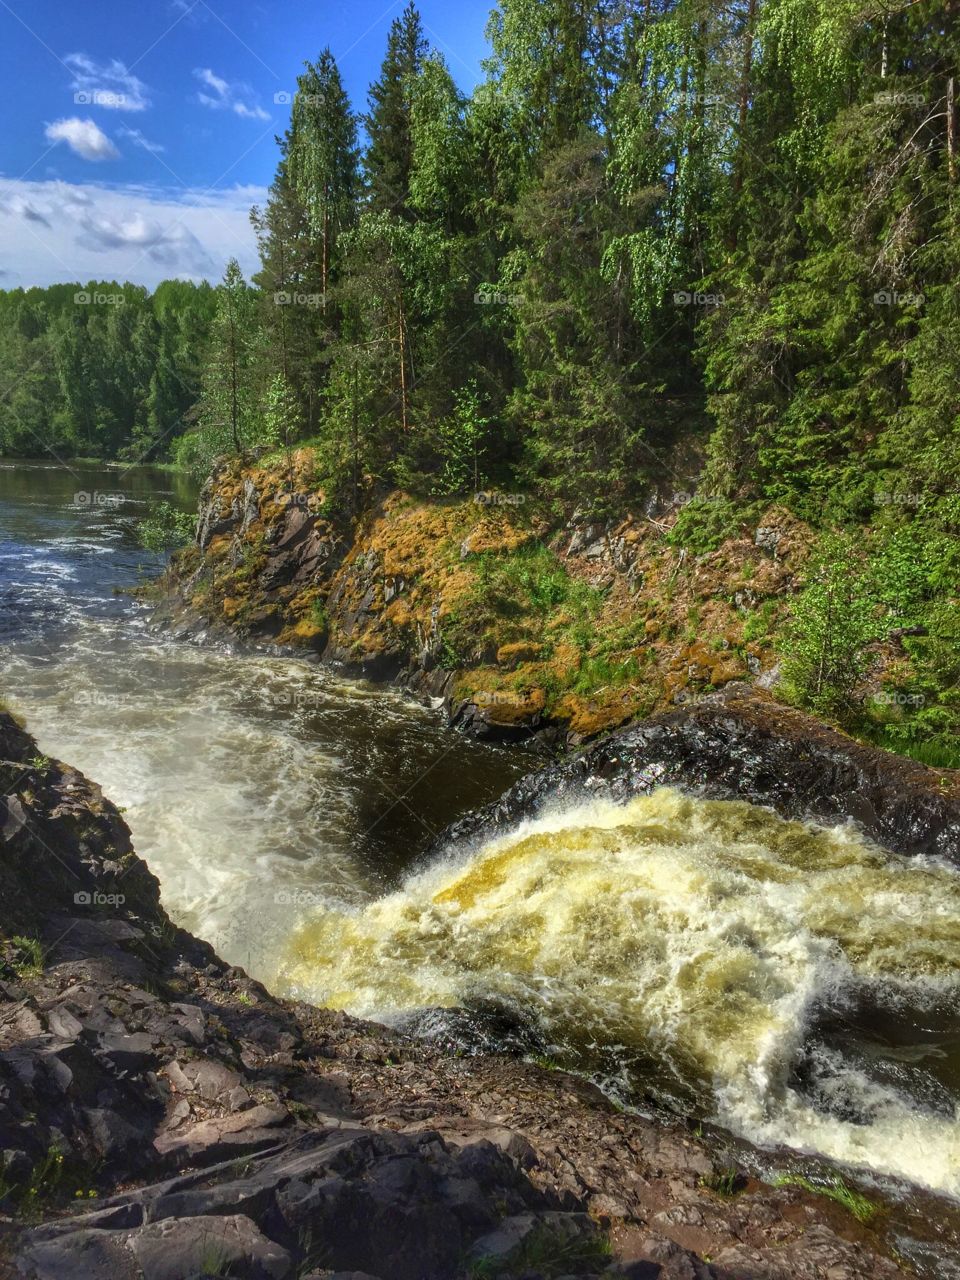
{"type": "Point", "coordinates": [252, 785]}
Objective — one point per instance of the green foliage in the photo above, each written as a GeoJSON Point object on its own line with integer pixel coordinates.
{"type": "Point", "coordinates": [833, 1189]}
{"type": "Point", "coordinates": [547, 1252]}
{"type": "Point", "coordinates": [898, 585]}
{"type": "Point", "coordinates": [281, 412]}
{"type": "Point", "coordinates": [227, 418]}
{"type": "Point", "coordinates": [532, 580]}
{"type": "Point", "coordinates": [389, 156]}
{"type": "Point", "coordinates": [651, 230]}
{"type": "Point", "coordinates": [704, 523]}
{"type": "Point", "coordinates": [166, 526]}
{"type": "Point", "coordinates": [461, 439]}
{"type": "Point", "coordinates": [28, 956]}
{"type": "Point", "coordinates": [102, 370]}
{"type": "Point", "coordinates": [726, 1183]}
{"type": "Point", "coordinates": [834, 620]}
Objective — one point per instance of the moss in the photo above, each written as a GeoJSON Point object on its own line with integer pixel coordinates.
{"type": "Point", "coordinates": [492, 594]}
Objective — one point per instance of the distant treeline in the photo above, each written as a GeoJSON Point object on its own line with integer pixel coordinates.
{"type": "Point", "coordinates": [103, 370]}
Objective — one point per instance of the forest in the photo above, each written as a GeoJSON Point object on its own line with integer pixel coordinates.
{"type": "Point", "coordinates": [101, 370]}
{"type": "Point", "coordinates": [661, 239]}
{"type": "Point", "coordinates": [652, 223]}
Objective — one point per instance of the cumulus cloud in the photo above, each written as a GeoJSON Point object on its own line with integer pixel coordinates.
{"type": "Point", "coordinates": [238, 98]}
{"type": "Point", "coordinates": [137, 138]}
{"type": "Point", "coordinates": [107, 84]}
{"type": "Point", "coordinates": [83, 137]}
{"type": "Point", "coordinates": [138, 233]}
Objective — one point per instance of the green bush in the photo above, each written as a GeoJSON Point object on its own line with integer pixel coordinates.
{"type": "Point", "coordinates": [705, 523]}
{"type": "Point", "coordinates": [165, 527]}
{"type": "Point", "coordinates": [834, 620]}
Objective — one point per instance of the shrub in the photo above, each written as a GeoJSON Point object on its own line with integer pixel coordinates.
{"type": "Point", "coordinates": [834, 620]}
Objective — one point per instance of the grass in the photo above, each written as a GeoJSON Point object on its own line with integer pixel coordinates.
{"type": "Point", "coordinates": [547, 1063]}
{"type": "Point", "coordinates": [318, 614]}
{"type": "Point", "coordinates": [549, 1254]}
{"type": "Point", "coordinates": [531, 580]}
{"type": "Point", "coordinates": [45, 1184]}
{"type": "Point", "coordinates": [601, 672]}
{"type": "Point", "coordinates": [833, 1189]}
{"type": "Point", "coordinates": [29, 962]}
{"type": "Point", "coordinates": [215, 1261]}
{"type": "Point", "coordinates": [727, 1183]}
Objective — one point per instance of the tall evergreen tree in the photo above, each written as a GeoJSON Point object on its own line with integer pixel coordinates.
{"type": "Point", "coordinates": [322, 159]}
{"type": "Point", "coordinates": [388, 160]}
{"type": "Point", "coordinates": [228, 419]}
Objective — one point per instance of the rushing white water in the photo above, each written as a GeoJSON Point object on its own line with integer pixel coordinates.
{"type": "Point", "coordinates": [708, 936]}
{"type": "Point", "coordinates": [247, 782]}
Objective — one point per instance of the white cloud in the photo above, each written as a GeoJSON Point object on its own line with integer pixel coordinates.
{"type": "Point", "coordinates": [108, 85]}
{"type": "Point", "coordinates": [24, 209]}
{"type": "Point", "coordinates": [137, 138]}
{"type": "Point", "coordinates": [95, 231]}
{"type": "Point", "coordinates": [172, 245]}
{"type": "Point", "coordinates": [83, 137]}
{"type": "Point", "coordinates": [250, 113]}
{"type": "Point", "coordinates": [206, 76]}
{"type": "Point", "coordinates": [238, 98]}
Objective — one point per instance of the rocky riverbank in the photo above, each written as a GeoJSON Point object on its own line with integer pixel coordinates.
{"type": "Point", "coordinates": [162, 1116]}
{"type": "Point", "coordinates": [521, 621]}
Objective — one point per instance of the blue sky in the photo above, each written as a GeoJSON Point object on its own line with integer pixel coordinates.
{"type": "Point", "coordinates": [137, 136]}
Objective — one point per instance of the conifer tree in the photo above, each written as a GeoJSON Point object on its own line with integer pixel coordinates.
{"type": "Point", "coordinates": [227, 417]}
{"type": "Point", "coordinates": [388, 160]}
{"type": "Point", "coordinates": [322, 159]}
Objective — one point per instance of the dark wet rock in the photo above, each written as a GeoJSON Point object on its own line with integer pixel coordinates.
{"type": "Point", "coordinates": [743, 745]}
{"type": "Point", "coordinates": [175, 1249]}
{"type": "Point", "coordinates": [483, 1028]}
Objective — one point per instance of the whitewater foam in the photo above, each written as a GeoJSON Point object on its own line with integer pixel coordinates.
{"type": "Point", "coordinates": [708, 935]}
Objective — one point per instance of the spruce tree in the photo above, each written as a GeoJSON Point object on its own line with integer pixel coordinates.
{"type": "Point", "coordinates": [388, 159]}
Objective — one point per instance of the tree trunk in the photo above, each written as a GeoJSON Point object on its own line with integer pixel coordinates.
{"type": "Point", "coordinates": [326, 235]}
{"type": "Point", "coordinates": [403, 363]}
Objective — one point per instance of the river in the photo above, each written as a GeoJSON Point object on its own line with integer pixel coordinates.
{"type": "Point", "coordinates": [794, 985]}
{"type": "Point", "coordinates": [252, 785]}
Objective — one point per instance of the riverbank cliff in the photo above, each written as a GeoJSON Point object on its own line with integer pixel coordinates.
{"type": "Point", "coordinates": [520, 620]}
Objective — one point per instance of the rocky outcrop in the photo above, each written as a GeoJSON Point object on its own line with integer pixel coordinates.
{"type": "Point", "coordinates": [520, 622]}
{"type": "Point", "coordinates": [163, 1117]}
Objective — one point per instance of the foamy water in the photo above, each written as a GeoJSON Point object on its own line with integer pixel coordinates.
{"type": "Point", "coordinates": [708, 936]}
{"type": "Point", "coordinates": [249, 783]}
{"type": "Point", "coordinates": [799, 985]}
